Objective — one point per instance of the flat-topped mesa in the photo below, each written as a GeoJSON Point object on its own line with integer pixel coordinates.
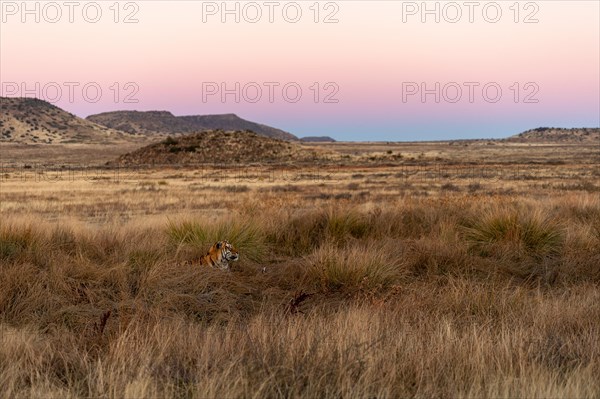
{"type": "Point", "coordinates": [558, 135]}
{"type": "Point", "coordinates": [318, 139]}
{"type": "Point", "coordinates": [152, 123]}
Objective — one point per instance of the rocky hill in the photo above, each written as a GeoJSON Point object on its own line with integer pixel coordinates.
{"type": "Point", "coordinates": [34, 121]}
{"type": "Point", "coordinates": [223, 147]}
{"type": "Point", "coordinates": [558, 135]}
{"type": "Point", "coordinates": [154, 123]}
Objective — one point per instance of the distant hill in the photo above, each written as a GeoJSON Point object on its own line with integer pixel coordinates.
{"type": "Point", "coordinates": [222, 147]}
{"type": "Point", "coordinates": [163, 122]}
{"type": "Point", "coordinates": [34, 121]}
{"type": "Point", "coordinates": [318, 139]}
{"type": "Point", "coordinates": [558, 135]}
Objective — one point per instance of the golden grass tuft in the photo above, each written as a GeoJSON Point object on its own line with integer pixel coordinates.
{"type": "Point", "coordinates": [17, 241]}
{"type": "Point", "coordinates": [370, 266]}
{"type": "Point", "coordinates": [515, 232]}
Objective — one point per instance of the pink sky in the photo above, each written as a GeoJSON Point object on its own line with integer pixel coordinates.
{"type": "Point", "coordinates": [373, 51]}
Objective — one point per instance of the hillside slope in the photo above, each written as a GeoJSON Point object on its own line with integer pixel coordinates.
{"type": "Point", "coordinates": [33, 121]}
{"type": "Point", "coordinates": [223, 147]}
{"type": "Point", "coordinates": [558, 135]}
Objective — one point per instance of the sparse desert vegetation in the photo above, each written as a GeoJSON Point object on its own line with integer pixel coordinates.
{"type": "Point", "coordinates": [37, 122]}
{"type": "Point", "coordinates": [223, 147]}
{"type": "Point", "coordinates": [397, 276]}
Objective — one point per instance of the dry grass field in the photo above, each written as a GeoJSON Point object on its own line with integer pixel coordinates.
{"type": "Point", "coordinates": [400, 270]}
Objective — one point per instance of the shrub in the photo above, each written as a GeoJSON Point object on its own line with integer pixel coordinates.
{"type": "Point", "coordinates": [474, 187]}
{"type": "Point", "coordinates": [170, 141]}
{"type": "Point", "coordinates": [450, 187]}
{"type": "Point", "coordinates": [236, 188]}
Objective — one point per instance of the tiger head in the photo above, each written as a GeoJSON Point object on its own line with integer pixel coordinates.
{"type": "Point", "coordinates": [220, 254]}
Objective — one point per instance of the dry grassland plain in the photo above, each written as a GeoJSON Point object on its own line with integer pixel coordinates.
{"type": "Point", "coordinates": [466, 269]}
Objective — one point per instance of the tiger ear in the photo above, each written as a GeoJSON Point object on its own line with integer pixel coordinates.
{"type": "Point", "coordinates": [219, 244]}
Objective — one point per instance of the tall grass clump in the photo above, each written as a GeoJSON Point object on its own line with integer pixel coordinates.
{"type": "Point", "coordinates": [298, 234]}
{"type": "Point", "coordinates": [365, 266]}
{"type": "Point", "coordinates": [17, 241]}
{"type": "Point", "coordinates": [301, 233]}
{"type": "Point", "coordinates": [63, 239]}
{"type": "Point", "coordinates": [345, 224]}
{"type": "Point", "coordinates": [248, 237]}
{"type": "Point", "coordinates": [515, 233]}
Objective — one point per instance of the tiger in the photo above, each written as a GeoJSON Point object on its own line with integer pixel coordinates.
{"type": "Point", "coordinates": [219, 255]}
